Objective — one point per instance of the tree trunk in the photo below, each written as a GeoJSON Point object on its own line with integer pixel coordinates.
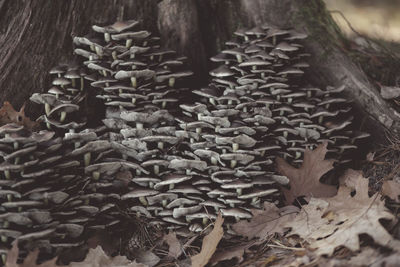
{"type": "Point", "coordinates": [37, 34]}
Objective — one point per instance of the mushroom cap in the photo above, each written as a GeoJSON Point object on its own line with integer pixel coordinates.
{"type": "Point", "coordinates": [222, 71]}
{"type": "Point", "coordinates": [236, 212]}
{"type": "Point", "coordinates": [160, 197]}
{"type": "Point", "coordinates": [183, 164]}
{"type": "Point", "coordinates": [140, 35]}
{"type": "Point", "coordinates": [136, 193]}
{"type": "Point", "coordinates": [117, 27]}
{"type": "Point", "coordinates": [258, 193]}
{"type": "Point", "coordinates": [172, 179]}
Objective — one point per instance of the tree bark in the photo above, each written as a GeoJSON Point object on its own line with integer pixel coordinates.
{"type": "Point", "coordinates": [37, 34]}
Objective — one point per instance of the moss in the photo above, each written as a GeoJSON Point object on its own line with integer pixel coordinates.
{"type": "Point", "coordinates": [320, 24]}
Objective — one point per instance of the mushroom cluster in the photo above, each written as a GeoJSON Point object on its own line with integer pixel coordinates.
{"type": "Point", "coordinates": [51, 193]}
{"type": "Point", "coordinates": [142, 86]}
{"type": "Point", "coordinates": [255, 109]}
{"type": "Point", "coordinates": [64, 101]}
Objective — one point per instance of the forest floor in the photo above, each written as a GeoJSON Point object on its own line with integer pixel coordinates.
{"type": "Point", "coordinates": [353, 224]}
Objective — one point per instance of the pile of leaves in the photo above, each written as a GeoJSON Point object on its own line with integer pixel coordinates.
{"type": "Point", "coordinates": [340, 226]}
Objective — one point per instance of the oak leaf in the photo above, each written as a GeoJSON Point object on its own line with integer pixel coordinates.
{"type": "Point", "coordinates": [29, 261]}
{"type": "Point", "coordinates": [175, 247]}
{"type": "Point", "coordinates": [9, 115]}
{"type": "Point", "coordinates": [338, 221]}
{"type": "Point", "coordinates": [210, 243]}
{"type": "Point", "coordinates": [265, 222]}
{"type": "Point", "coordinates": [391, 189]}
{"type": "Point", "coordinates": [305, 180]}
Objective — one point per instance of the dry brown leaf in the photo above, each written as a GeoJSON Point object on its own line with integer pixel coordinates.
{"type": "Point", "coordinates": [349, 216]}
{"type": "Point", "coordinates": [29, 261]}
{"type": "Point", "coordinates": [98, 258]}
{"type": "Point", "coordinates": [175, 247]}
{"type": "Point", "coordinates": [305, 180]}
{"type": "Point", "coordinates": [209, 245]}
{"type": "Point", "coordinates": [230, 253]}
{"type": "Point", "coordinates": [391, 189]}
{"type": "Point", "coordinates": [265, 222]}
{"type": "Point", "coordinates": [9, 115]}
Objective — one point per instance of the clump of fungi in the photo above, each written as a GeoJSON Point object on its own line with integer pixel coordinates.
{"type": "Point", "coordinates": [156, 156]}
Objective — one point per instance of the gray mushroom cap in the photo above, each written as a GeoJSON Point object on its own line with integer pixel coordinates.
{"type": "Point", "coordinates": [122, 74]}
{"type": "Point", "coordinates": [139, 193]}
{"type": "Point", "coordinates": [222, 71]}
{"type": "Point", "coordinates": [159, 198]}
{"type": "Point", "coordinates": [258, 193]}
{"type": "Point", "coordinates": [140, 35]}
{"type": "Point", "coordinates": [235, 212]}
{"type": "Point", "coordinates": [182, 211]}
{"type": "Point", "coordinates": [172, 179]}
{"type": "Point", "coordinates": [183, 164]}
{"type": "Point", "coordinates": [117, 27]}
{"type": "Point", "coordinates": [181, 202]}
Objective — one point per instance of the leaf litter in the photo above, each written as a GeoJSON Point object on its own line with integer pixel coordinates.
{"type": "Point", "coordinates": [285, 236]}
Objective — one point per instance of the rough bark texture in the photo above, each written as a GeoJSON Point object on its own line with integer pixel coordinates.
{"type": "Point", "coordinates": [37, 34]}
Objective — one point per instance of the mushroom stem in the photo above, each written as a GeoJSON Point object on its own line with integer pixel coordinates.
{"type": "Point", "coordinates": [239, 58]}
{"type": "Point", "coordinates": [239, 191]}
{"type": "Point", "coordinates": [198, 130]}
{"type": "Point", "coordinates": [143, 201]}
{"type": "Point", "coordinates": [233, 163]}
{"type": "Point", "coordinates": [160, 145]}
{"type": "Point", "coordinates": [47, 108]}
{"type": "Point", "coordinates": [214, 161]}
{"type": "Point", "coordinates": [133, 100]}
{"type": "Point", "coordinates": [96, 175]}
{"type": "Point", "coordinates": [77, 144]}
{"type": "Point", "coordinates": [171, 186]}
{"type": "Point", "coordinates": [171, 82]}
{"type": "Point", "coordinates": [128, 43]}
{"type": "Point", "coordinates": [163, 104]}
{"type": "Point", "coordinates": [4, 258]}
{"type": "Point", "coordinates": [320, 119]}
{"type": "Point", "coordinates": [7, 174]}
{"type": "Point", "coordinates": [114, 55]}
{"type": "Point", "coordinates": [63, 116]}
{"type": "Point", "coordinates": [138, 172]}
{"type": "Point", "coordinates": [107, 37]}
{"type": "Point", "coordinates": [212, 101]}
{"type": "Point", "coordinates": [9, 198]}
{"type": "Point", "coordinates": [156, 169]}
{"type": "Point", "coordinates": [151, 184]}
{"type": "Point", "coordinates": [235, 147]}
{"type": "Point", "coordinates": [87, 158]}
{"type": "Point", "coordinates": [164, 202]}
{"type": "Point", "coordinates": [298, 155]}
{"type": "Point", "coordinates": [16, 145]}
{"type": "Point", "coordinates": [82, 83]}
{"type": "Point", "coordinates": [205, 220]}
{"type": "Point", "coordinates": [139, 125]}
{"type": "Point", "coordinates": [254, 200]}
{"type": "Point", "coordinates": [4, 239]}
{"type": "Point", "coordinates": [16, 161]}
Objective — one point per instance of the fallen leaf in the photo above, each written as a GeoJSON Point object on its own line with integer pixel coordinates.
{"type": "Point", "coordinates": [98, 258]}
{"type": "Point", "coordinates": [236, 252]}
{"type": "Point", "coordinates": [209, 245]}
{"type": "Point", "coordinates": [391, 189]}
{"type": "Point", "coordinates": [29, 261]}
{"type": "Point", "coordinates": [305, 180]}
{"type": "Point", "coordinates": [9, 115]}
{"type": "Point", "coordinates": [146, 257]}
{"type": "Point", "coordinates": [352, 216]}
{"type": "Point", "coordinates": [265, 222]}
{"type": "Point", "coordinates": [175, 247]}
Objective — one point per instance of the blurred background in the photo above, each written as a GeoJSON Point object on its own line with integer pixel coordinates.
{"type": "Point", "coordinates": [377, 19]}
